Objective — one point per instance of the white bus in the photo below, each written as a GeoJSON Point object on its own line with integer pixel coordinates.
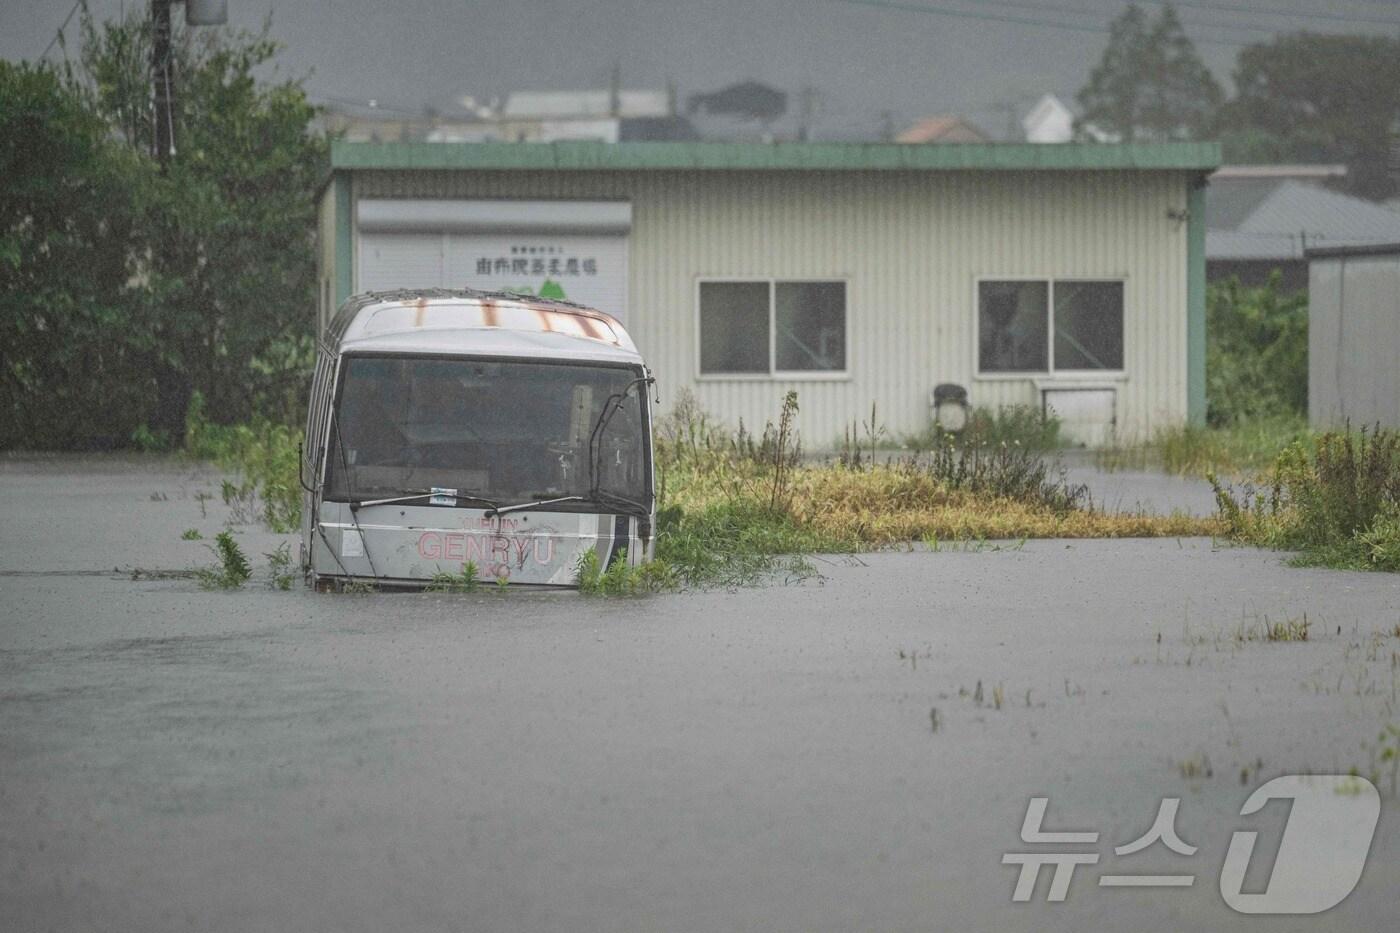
{"type": "Point", "coordinates": [448, 428]}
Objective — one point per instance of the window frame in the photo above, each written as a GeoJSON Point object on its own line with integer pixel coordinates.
{"type": "Point", "coordinates": [774, 374]}
{"type": "Point", "coordinates": [1050, 372]}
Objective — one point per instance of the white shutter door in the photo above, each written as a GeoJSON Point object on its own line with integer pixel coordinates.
{"type": "Point", "coordinates": [576, 250]}
{"type": "Point", "coordinates": [400, 260]}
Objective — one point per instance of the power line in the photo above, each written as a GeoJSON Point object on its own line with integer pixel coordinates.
{"type": "Point", "coordinates": [1215, 8]}
{"type": "Point", "coordinates": [1295, 14]}
{"type": "Point", "coordinates": [59, 34]}
{"type": "Point", "coordinates": [1007, 18]}
{"type": "Point", "coordinates": [1099, 14]}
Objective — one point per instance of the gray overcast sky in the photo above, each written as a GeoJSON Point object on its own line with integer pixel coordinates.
{"type": "Point", "coordinates": [862, 56]}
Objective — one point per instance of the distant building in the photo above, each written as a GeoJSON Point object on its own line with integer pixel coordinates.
{"type": "Point", "coordinates": [1052, 121]}
{"type": "Point", "coordinates": [1262, 219]}
{"type": "Point", "coordinates": [525, 117]}
{"type": "Point", "coordinates": [1354, 335]}
{"type": "Point", "coordinates": [589, 115]}
{"type": "Point", "coordinates": [1070, 278]}
{"type": "Point", "coordinates": [586, 105]}
{"type": "Point", "coordinates": [366, 124]}
{"type": "Point", "coordinates": [1049, 121]}
{"type": "Point", "coordinates": [748, 111]}
{"type": "Point", "coordinates": [943, 129]}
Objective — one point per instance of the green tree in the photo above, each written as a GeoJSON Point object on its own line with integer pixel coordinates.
{"type": "Point", "coordinates": [1150, 84]}
{"type": "Point", "coordinates": [1314, 98]}
{"type": "Point", "coordinates": [1256, 352]}
{"type": "Point", "coordinates": [68, 375]}
{"type": "Point", "coordinates": [226, 232]}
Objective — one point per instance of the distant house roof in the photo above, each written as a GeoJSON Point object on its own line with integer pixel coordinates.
{"type": "Point", "coordinates": [1049, 121]}
{"type": "Point", "coordinates": [584, 104]}
{"type": "Point", "coordinates": [1052, 121]}
{"type": "Point", "coordinates": [1342, 252]}
{"type": "Point", "coordinates": [1277, 219]}
{"type": "Point", "coordinates": [943, 129]}
{"type": "Point", "coordinates": [1317, 173]}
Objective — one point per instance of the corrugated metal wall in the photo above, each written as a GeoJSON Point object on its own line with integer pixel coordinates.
{"type": "Point", "coordinates": [911, 247]}
{"type": "Point", "coordinates": [1354, 341]}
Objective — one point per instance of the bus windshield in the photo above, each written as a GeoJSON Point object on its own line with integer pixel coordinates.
{"type": "Point", "coordinates": [502, 431]}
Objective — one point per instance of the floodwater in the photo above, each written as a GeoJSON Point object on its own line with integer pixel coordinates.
{"type": "Point", "coordinates": [855, 752]}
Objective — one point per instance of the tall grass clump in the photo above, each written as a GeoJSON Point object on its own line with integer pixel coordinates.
{"type": "Point", "coordinates": [735, 508]}
{"type": "Point", "coordinates": [265, 455]}
{"type": "Point", "coordinates": [1256, 388]}
{"type": "Point", "coordinates": [1336, 500]}
{"type": "Point", "coordinates": [1003, 470]}
{"type": "Point", "coordinates": [1240, 448]}
{"type": "Point", "coordinates": [1024, 426]}
{"type": "Point", "coordinates": [620, 579]}
{"type": "Point", "coordinates": [725, 500]}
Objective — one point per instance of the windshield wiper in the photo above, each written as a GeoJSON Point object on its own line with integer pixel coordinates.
{"type": "Point", "coordinates": [503, 509]}
{"type": "Point", "coordinates": [599, 498]}
{"type": "Point", "coordinates": [415, 496]}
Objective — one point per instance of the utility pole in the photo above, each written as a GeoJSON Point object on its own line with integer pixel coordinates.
{"type": "Point", "coordinates": [197, 13]}
{"type": "Point", "coordinates": [173, 385]}
{"type": "Point", "coordinates": [807, 106]}
{"type": "Point", "coordinates": [163, 78]}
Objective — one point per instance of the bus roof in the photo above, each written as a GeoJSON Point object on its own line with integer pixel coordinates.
{"type": "Point", "coordinates": [467, 321]}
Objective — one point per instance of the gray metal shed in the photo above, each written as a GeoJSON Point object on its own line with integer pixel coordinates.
{"type": "Point", "coordinates": [1354, 335]}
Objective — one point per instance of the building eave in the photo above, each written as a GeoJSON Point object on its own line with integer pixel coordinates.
{"type": "Point", "coordinates": [673, 156]}
{"type": "Point", "coordinates": [1353, 250]}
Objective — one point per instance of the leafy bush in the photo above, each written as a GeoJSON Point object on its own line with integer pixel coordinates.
{"type": "Point", "coordinates": [1256, 352]}
{"type": "Point", "coordinates": [1337, 501]}
{"type": "Point", "coordinates": [618, 579]}
{"type": "Point", "coordinates": [736, 542]}
{"type": "Point", "coordinates": [266, 456]}
{"type": "Point", "coordinates": [1381, 542]}
{"type": "Point", "coordinates": [129, 285]}
{"type": "Point", "coordinates": [70, 373]}
{"type": "Point", "coordinates": [232, 569]}
{"type": "Point", "coordinates": [1005, 471]}
{"type": "Point", "coordinates": [1022, 426]}
{"type": "Point", "coordinates": [464, 581]}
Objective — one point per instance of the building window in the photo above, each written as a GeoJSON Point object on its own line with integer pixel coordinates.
{"type": "Point", "coordinates": [1011, 327]}
{"type": "Point", "coordinates": [1088, 325]}
{"type": "Point", "coordinates": [1015, 323]}
{"type": "Point", "coordinates": [810, 322]}
{"type": "Point", "coordinates": [772, 327]}
{"type": "Point", "coordinates": [734, 327]}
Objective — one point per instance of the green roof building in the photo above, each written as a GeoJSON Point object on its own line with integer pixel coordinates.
{"type": "Point", "coordinates": [1069, 277]}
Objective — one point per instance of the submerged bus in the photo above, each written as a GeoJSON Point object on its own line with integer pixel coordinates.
{"type": "Point", "coordinates": [456, 427]}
